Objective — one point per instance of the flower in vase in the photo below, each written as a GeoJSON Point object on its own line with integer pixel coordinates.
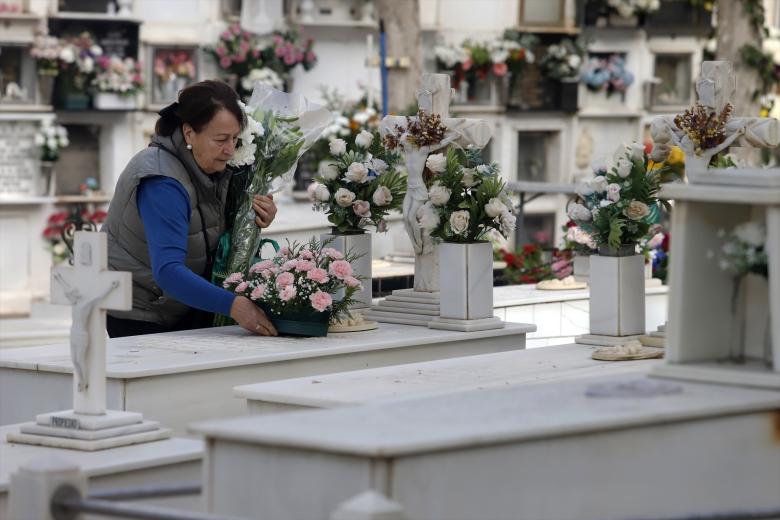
{"type": "Point", "coordinates": [241, 287]}
{"type": "Point", "coordinates": [613, 192]}
{"type": "Point", "coordinates": [317, 275]}
{"type": "Point", "coordinates": [330, 172]}
{"type": "Point", "coordinates": [337, 146]}
{"type": "Point", "coordinates": [577, 211]}
{"type": "Point", "coordinates": [752, 233]}
{"type": "Point", "coordinates": [364, 139]}
{"type": "Point", "coordinates": [234, 278]}
{"type": "Point", "coordinates": [351, 281]}
{"type": "Point", "coordinates": [318, 192]}
{"type": "Point", "coordinates": [362, 208]}
{"type": "Point", "coordinates": [285, 279]}
{"type": "Point", "coordinates": [305, 265]}
{"type": "Point", "coordinates": [340, 269]}
{"type": "Point", "coordinates": [459, 222]}
{"type": "Point", "coordinates": [599, 184]}
{"type": "Point", "coordinates": [494, 207]}
{"type": "Point", "coordinates": [344, 197]}
{"type": "Point", "coordinates": [320, 300]}
{"type": "Point", "coordinates": [584, 190]}
{"type": "Point", "coordinates": [438, 194]}
{"type": "Point", "coordinates": [357, 172]}
{"type": "Point", "coordinates": [507, 222]}
{"type": "Point", "coordinates": [469, 179]}
{"type": "Point", "coordinates": [636, 210]}
{"type": "Point", "coordinates": [382, 196]}
{"type": "Point", "coordinates": [436, 162]}
{"type": "Point", "coordinates": [335, 254]}
{"type": "Point", "coordinates": [288, 293]}
{"type": "Point", "coordinates": [378, 165]}
{"type": "Point", "coordinates": [624, 166]}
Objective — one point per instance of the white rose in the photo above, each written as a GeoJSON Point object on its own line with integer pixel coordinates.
{"type": "Point", "coordinates": [624, 167]}
{"type": "Point", "coordinates": [437, 163]}
{"type": "Point", "coordinates": [613, 192]}
{"type": "Point", "coordinates": [378, 165]}
{"type": "Point", "coordinates": [67, 55]}
{"type": "Point", "coordinates": [584, 190]}
{"type": "Point", "coordinates": [364, 139]}
{"type": "Point", "coordinates": [329, 171]}
{"type": "Point", "coordinates": [39, 139]}
{"type": "Point", "coordinates": [507, 222]}
{"type": "Point", "coordinates": [357, 172]}
{"type": "Point", "coordinates": [337, 146]}
{"type": "Point", "coordinates": [427, 217]}
{"type": "Point", "coordinates": [439, 195]}
{"type": "Point", "coordinates": [604, 203]}
{"type": "Point", "coordinates": [344, 197]}
{"type": "Point", "coordinates": [459, 222]}
{"type": "Point", "coordinates": [620, 153]}
{"type": "Point", "coordinates": [494, 207]}
{"type": "Point", "coordinates": [483, 169]}
{"type": "Point", "coordinates": [382, 196]}
{"type": "Point", "coordinates": [752, 233]}
{"type": "Point", "coordinates": [320, 192]}
{"type": "Point", "coordinates": [636, 210]}
{"type": "Point", "coordinates": [599, 184]}
{"type": "Point", "coordinates": [638, 152]}
{"type": "Point", "coordinates": [579, 212]}
{"type": "Point", "coordinates": [469, 179]}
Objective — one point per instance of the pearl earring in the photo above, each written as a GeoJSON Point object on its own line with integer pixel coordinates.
{"type": "Point", "coordinates": [189, 146]}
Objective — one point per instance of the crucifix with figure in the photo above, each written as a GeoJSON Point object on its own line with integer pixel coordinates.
{"type": "Point", "coordinates": [90, 288]}
{"type": "Point", "coordinates": [433, 97]}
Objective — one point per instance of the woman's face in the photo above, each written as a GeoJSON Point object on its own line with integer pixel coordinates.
{"type": "Point", "coordinates": [215, 144]}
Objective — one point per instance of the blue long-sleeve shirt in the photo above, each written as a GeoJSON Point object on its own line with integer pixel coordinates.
{"type": "Point", "coordinates": [164, 206]}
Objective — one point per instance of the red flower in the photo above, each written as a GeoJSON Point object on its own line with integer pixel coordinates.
{"type": "Point", "coordinates": [530, 248]}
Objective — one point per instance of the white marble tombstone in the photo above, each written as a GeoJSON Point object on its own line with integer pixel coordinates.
{"type": "Point", "coordinates": [90, 288]}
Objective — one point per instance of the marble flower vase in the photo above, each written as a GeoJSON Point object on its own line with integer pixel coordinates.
{"type": "Point", "coordinates": [114, 101]}
{"type": "Point", "coordinates": [466, 287]}
{"type": "Point", "coordinates": [617, 299]}
{"type": "Point", "coordinates": [357, 243]}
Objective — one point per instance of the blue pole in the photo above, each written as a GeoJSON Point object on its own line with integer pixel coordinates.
{"type": "Point", "coordinates": [383, 65]}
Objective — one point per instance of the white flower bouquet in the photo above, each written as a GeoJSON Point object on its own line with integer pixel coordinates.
{"type": "Point", "coordinates": [744, 250]}
{"type": "Point", "coordinates": [617, 207]}
{"type": "Point", "coordinates": [51, 139]}
{"type": "Point", "coordinates": [360, 186]}
{"type": "Point", "coordinates": [280, 128]}
{"type": "Point", "coordinates": [296, 287]}
{"type": "Point", "coordinates": [466, 199]}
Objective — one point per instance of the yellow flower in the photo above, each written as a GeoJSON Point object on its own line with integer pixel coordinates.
{"type": "Point", "coordinates": [676, 156]}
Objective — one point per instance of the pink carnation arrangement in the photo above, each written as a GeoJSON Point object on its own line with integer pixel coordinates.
{"type": "Point", "coordinates": [300, 279]}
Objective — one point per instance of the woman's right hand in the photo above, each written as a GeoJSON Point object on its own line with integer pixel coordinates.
{"type": "Point", "coordinates": [251, 317]}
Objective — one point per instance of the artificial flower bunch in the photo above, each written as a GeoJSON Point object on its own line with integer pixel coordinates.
{"type": "Point", "coordinates": [78, 55]}
{"type": "Point", "coordinates": [466, 199]}
{"type": "Point", "coordinates": [236, 51]}
{"type": "Point", "coordinates": [562, 60]}
{"type": "Point", "coordinates": [173, 64]}
{"type": "Point", "coordinates": [578, 240]}
{"type": "Point", "coordinates": [704, 127]}
{"type": "Point", "coordinates": [51, 138]}
{"type": "Point", "coordinates": [359, 187]}
{"type": "Point", "coordinates": [617, 207]}
{"type": "Point", "coordinates": [46, 51]}
{"type": "Point", "coordinates": [744, 250]}
{"type": "Point", "coordinates": [629, 8]}
{"type": "Point", "coordinates": [117, 75]}
{"type": "Point", "coordinates": [607, 74]}
{"type": "Point", "coordinates": [291, 50]}
{"type": "Point", "coordinates": [300, 279]}
{"type": "Point", "coordinates": [528, 265]}
{"type": "Point", "coordinates": [472, 61]}
{"type": "Point", "coordinates": [521, 53]}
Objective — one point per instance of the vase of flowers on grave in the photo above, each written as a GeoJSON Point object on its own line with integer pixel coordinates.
{"type": "Point", "coordinates": [296, 287]}
{"type": "Point", "coordinates": [76, 63]}
{"type": "Point", "coordinates": [617, 208]}
{"type": "Point", "coordinates": [358, 188]}
{"type": "Point", "coordinates": [467, 202]}
{"type": "Point", "coordinates": [582, 245]}
{"type": "Point", "coordinates": [51, 138]}
{"type": "Point", "coordinates": [117, 83]}
{"type": "Point", "coordinates": [606, 79]}
{"type": "Point", "coordinates": [743, 255]}
{"type": "Point", "coordinates": [45, 51]}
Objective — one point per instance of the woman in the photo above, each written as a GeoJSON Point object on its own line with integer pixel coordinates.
{"type": "Point", "coordinates": [168, 212]}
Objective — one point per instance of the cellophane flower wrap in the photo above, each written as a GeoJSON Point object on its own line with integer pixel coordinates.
{"type": "Point", "coordinates": [617, 207]}
{"type": "Point", "coordinates": [357, 188]}
{"type": "Point", "coordinates": [467, 198]}
{"type": "Point", "coordinates": [300, 279]}
{"type": "Point", "coordinates": [280, 128]}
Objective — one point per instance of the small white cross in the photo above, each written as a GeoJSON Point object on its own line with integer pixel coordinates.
{"type": "Point", "coordinates": [90, 288]}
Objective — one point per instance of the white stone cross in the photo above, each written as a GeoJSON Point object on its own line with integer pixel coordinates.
{"type": "Point", "coordinates": [433, 97]}
{"type": "Point", "coordinates": [715, 87]}
{"type": "Point", "coordinates": [91, 289]}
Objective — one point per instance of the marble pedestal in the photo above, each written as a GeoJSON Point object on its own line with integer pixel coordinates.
{"type": "Point", "coordinates": [151, 463]}
{"type": "Point", "coordinates": [443, 376]}
{"type": "Point", "coordinates": [180, 377]}
{"type": "Point", "coordinates": [407, 307]}
{"type": "Point", "coordinates": [546, 451]}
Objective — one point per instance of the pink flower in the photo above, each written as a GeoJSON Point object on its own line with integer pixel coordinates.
{"type": "Point", "coordinates": [283, 251]}
{"type": "Point", "coordinates": [244, 46]}
{"type": "Point", "coordinates": [261, 266]}
{"type": "Point", "coordinates": [241, 287]}
{"type": "Point", "coordinates": [226, 35]}
{"type": "Point", "coordinates": [224, 62]}
{"type": "Point", "coordinates": [332, 253]}
{"type": "Point", "coordinates": [317, 275]}
{"type": "Point", "coordinates": [310, 57]}
{"type": "Point", "coordinates": [239, 58]}
{"type": "Point", "coordinates": [500, 69]}
{"type": "Point", "coordinates": [467, 63]}
{"type": "Point", "coordinates": [361, 208]}
{"type": "Point", "coordinates": [258, 292]}
{"type": "Point", "coordinates": [320, 300]}
{"type": "Point", "coordinates": [236, 28]}
{"type": "Point", "coordinates": [233, 278]}
{"type": "Point", "coordinates": [352, 281]}
{"type": "Point", "coordinates": [288, 293]}
{"type": "Point", "coordinates": [340, 269]}
{"type": "Point", "coordinates": [221, 51]}
{"type": "Point", "coordinates": [289, 265]}
{"type": "Point", "coordinates": [285, 280]}
{"type": "Point", "coordinates": [306, 254]}
{"type": "Point", "coordinates": [304, 265]}
{"type": "Point", "coordinates": [268, 273]}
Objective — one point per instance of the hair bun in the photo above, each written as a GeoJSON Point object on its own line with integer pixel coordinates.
{"type": "Point", "coordinates": [170, 111]}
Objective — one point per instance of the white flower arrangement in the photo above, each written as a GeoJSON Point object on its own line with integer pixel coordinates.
{"type": "Point", "coordinates": [264, 76]}
{"type": "Point", "coordinates": [744, 250]}
{"type": "Point", "coordinates": [51, 138]}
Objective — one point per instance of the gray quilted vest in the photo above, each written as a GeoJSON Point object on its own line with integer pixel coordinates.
{"type": "Point", "coordinates": [127, 247]}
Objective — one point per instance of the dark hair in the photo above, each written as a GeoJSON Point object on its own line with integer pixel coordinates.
{"type": "Point", "coordinates": [197, 105]}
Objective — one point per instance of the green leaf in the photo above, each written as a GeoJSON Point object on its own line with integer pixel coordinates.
{"type": "Point", "coordinates": [615, 232]}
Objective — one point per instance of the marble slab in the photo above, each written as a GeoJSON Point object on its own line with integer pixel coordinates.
{"type": "Point", "coordinates": [555, 450]}
{"type": "Point", "coordinates": [444, 376]}
{"type": "Point", "coordinates": [160, 462]}
{"type": "Point", "coordinates": [176, 378]}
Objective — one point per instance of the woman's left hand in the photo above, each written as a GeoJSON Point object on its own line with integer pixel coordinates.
{"type": "Point", "coordinates": [265, 209]}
